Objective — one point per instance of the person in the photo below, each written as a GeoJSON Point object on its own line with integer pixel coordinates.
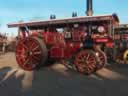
{"type": "Point", "coordinates": [4, 44]}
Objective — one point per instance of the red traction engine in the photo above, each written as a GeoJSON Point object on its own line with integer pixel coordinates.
{"type": "Point", "coordinates": [77, 40]}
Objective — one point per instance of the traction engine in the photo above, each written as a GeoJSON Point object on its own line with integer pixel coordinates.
{"type": "Point", "coordinates": [80, 41]}
{"type": "Point", "coordinates": [121, 44]}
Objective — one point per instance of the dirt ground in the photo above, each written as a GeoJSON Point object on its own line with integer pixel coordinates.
{"type": "Point", "coordinates": [7, 59]}
{"type": "Point", "coordinates": [57, 80]}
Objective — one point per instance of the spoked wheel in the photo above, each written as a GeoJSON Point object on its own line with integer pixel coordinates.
{"type": "Point", "coordinates": [125, 56]}
{"type": "Point", "coordinates": [102, 59]}
{"type": "Point", "coordinates": [86, 61]}
{"type": "Point", "coordinates": [30, 53]}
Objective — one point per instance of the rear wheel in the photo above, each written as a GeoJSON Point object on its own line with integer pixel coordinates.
{"type": "Point", "coordinates": [102, 59]}
{"type": "Point", "coordinates": [86, 61]}
{"type": "Point", "coordinates": [30, 53]}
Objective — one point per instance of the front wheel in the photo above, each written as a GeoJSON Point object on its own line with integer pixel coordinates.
{"type": "Point", "coordinates": [86, 61]}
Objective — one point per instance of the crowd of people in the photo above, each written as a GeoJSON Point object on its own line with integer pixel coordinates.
{"type": "Point", "coordinates": [5, 43]}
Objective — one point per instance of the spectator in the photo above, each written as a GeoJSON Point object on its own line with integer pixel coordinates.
{"type": "Point", "coordinates": [4, 44]}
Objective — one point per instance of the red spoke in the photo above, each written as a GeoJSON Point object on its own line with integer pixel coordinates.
{"type": "Point", "coordinates": [19, 50]}
{"type": "Point", "coordinates": [35, 48]}
{"type": "Point", "coordinates": [31, 46]}
{"type": "Point", "coordinates": [37, 53]}
{"type": "Point", "coordinates": [26, 62]}
{"type": "Point", "coordinates": [24, 46]}
{"type": "Point", "coordinates": [20, 55]}
{"type": "Point", "coordinates": [36, 58]}
{"type": "Point", "coordinates": [87, 56]}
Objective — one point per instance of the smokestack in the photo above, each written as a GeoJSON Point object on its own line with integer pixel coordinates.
{"type": "Point", "coordinates": [89, 11]}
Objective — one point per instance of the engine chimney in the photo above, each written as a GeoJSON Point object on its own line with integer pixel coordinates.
{"type": "Point", "coordinates": [89, 11]}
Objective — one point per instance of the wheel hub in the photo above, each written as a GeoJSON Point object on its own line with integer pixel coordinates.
{"type": "Point", "coordinates": [29, 53]}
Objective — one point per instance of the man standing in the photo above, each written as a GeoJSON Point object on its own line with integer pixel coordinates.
{"type": "Point", "coordinates": [4, 44]}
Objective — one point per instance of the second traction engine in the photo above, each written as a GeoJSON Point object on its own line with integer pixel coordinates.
{"type": "Point", "coordinates": [120, 50]}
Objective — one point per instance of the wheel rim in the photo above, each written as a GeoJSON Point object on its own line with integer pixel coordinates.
{"type": "Point", "coordinates": [85, 62]}
{"type": "Point", "coordinates": [126, 56]}
{"type": "Point", "coordinates": [28, 53]}
{"type": "Point", "coordinates": [103, 59]}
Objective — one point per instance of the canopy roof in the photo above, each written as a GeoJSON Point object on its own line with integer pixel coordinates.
{"type": "Point", "coordinates": [65, 21]}
{"type": "Point", "coordinates": [122, 26]}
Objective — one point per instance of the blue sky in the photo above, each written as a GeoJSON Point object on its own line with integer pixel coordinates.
{"type": "Point", "coordinates": [15, 10]}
